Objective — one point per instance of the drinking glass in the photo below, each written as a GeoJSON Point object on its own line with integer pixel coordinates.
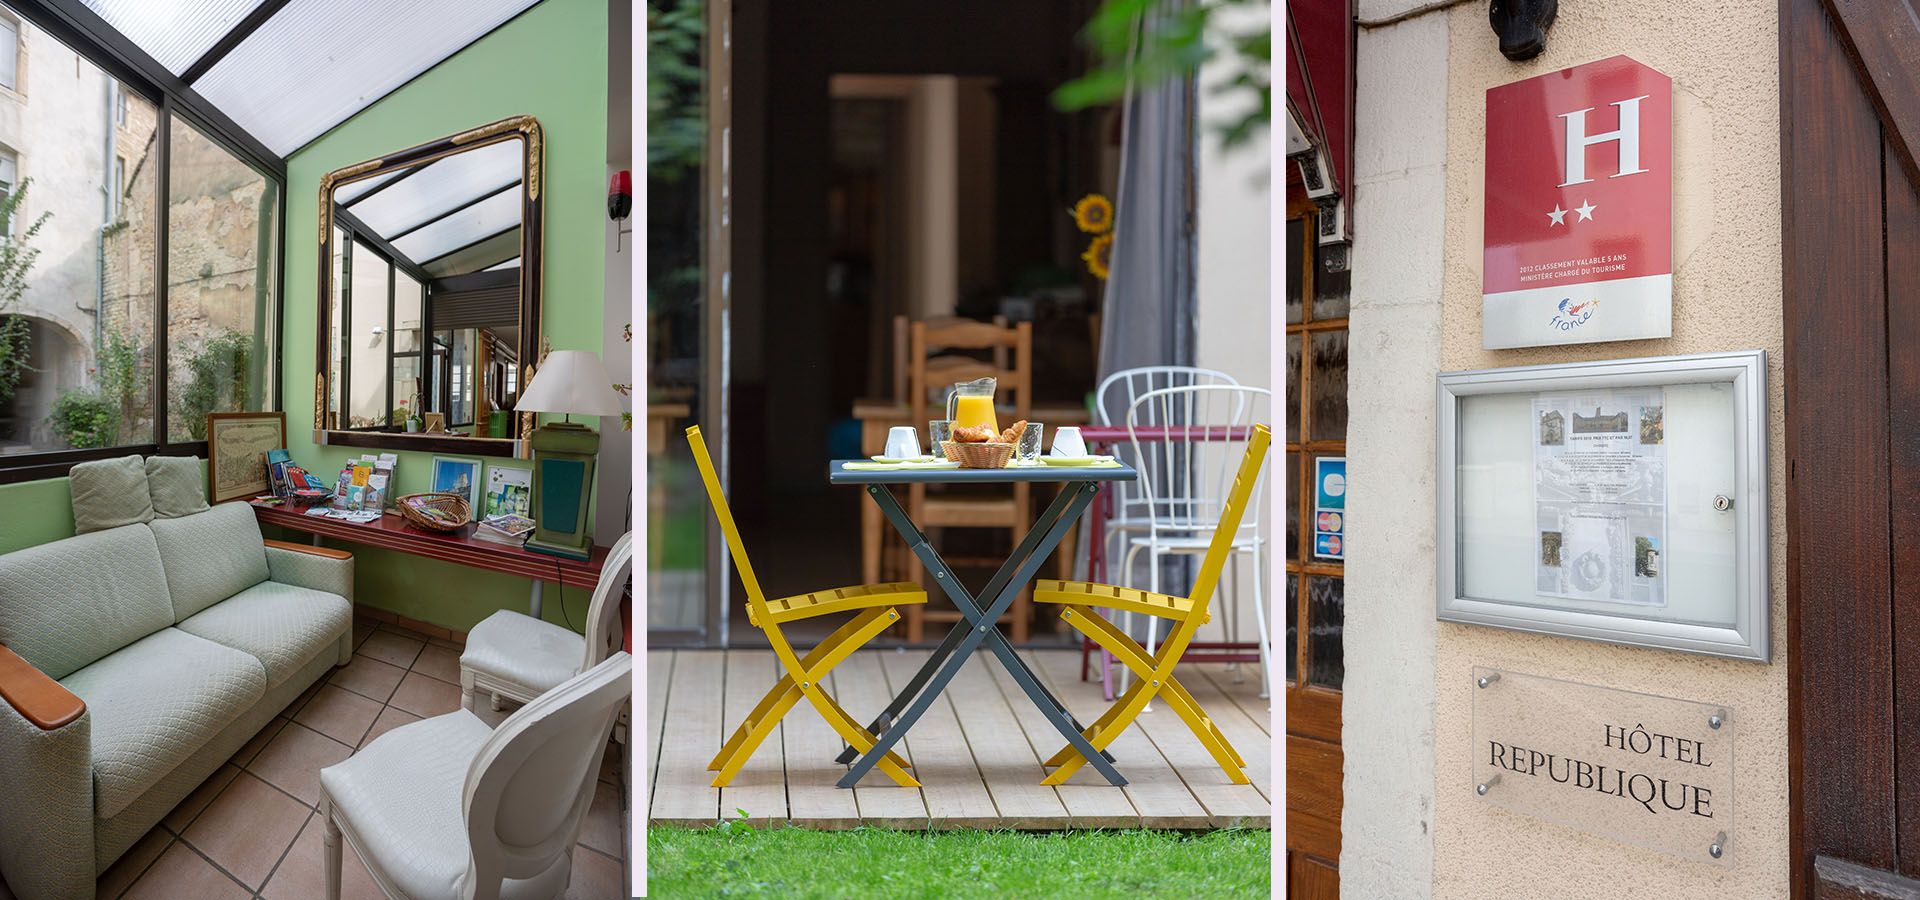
{"type": "Point", "coordinates": [940, 431]}
{"type": "Point", "coordinates": [1029, 448]}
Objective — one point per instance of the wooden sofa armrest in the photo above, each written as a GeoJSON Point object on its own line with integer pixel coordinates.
{"type": "Point", "coordinates": [39, 699]}
{"type": "Point", "coordinates": [327, 552]}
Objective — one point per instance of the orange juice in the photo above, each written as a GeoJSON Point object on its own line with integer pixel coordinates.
{"type": "Point", "coordinates": [974, 411]}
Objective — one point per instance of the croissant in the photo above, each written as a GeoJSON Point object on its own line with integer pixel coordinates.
{"type": "Point", "coordinates": [1013, 432]}
{"type": "Point", "coordinates": [973, 434]}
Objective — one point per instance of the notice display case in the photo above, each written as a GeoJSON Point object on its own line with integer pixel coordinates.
{"type": "Point", "coordinates": [1622, 501]}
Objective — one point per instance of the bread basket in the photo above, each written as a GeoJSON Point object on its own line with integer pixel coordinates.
{"type": "Point", "coordinates": [990, 455]}
{"type": "Point", "coordinates": [435, 511]}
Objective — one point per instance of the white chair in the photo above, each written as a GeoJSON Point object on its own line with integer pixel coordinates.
{"type": "Point", "coordinates": [514, 656]}
{"type": "Point", "coordinates": [449, 808]}
{"type": "Point", "coordinates": [1186, 471]}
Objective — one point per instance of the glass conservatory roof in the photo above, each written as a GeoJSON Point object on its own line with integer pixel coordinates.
{"type": "Point", "coordinates": [287, 71]}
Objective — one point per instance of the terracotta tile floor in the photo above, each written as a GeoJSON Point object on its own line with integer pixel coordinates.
{"type": "Point", "coordinates": [252, 830]}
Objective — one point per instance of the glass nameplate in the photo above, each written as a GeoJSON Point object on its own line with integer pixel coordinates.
{"type": "Point", "coordinates": [1650, 771]}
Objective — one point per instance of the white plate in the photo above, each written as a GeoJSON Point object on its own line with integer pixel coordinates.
{"type": "Point", "coordinates": [1075, 460]}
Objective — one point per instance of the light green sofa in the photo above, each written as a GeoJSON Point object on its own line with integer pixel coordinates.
{"type": "Point", "coordinates": [135, 661]}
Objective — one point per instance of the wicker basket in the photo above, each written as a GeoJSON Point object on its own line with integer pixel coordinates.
{"type": "Point", "coordinates": [436, 512]}
{"type": "Point", "coordinates": [992, 455]}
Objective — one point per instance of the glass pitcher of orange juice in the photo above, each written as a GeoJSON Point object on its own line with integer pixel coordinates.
{"type": "Point", "coordinates": [970, 404]}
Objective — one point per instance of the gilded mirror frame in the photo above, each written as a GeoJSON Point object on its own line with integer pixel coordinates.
{"type": "Point", "coordinates": [529, 346]}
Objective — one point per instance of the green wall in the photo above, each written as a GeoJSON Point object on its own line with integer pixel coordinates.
{"type": "Point", "coordinates": [550, 63]}
{"type": "Point", "coordinates": [36, 512]}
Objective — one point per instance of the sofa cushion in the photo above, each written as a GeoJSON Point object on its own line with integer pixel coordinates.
{"type": "Point", "coordinates": [281, 625]}
{"type": "Point", "coordinates": [403, 796]}
{"type": "Point", "coordinates": [210, 556]}
{"type": "Point", "coordinates": [176, 486]}
{"type": "Point", "coordinates": [68, 603]}
{"type": "Point", "coordinates": [109, 493]}
{"type": "Point", "coordinates": [155, 702]}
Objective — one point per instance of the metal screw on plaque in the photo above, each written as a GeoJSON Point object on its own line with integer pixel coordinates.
{"type": "Point", "coordinates": [1717, 719]}
{"type": "Point", "coordinates": [1484, 786]}
{"type": "Point", "coordinates": [1722, 502]}
{"type": "Point", "coordinates": [1718, 848]}
{"type": "Point", "coordinates": [1487, 680]}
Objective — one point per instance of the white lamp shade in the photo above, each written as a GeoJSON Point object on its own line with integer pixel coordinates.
{"type": "Point", "coordinates": [570, 381]}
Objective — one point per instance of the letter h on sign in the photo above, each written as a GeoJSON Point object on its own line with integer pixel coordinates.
{"type": "Point", "coordinates": [1628, 134]}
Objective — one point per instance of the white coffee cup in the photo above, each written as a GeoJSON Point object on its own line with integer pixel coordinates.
{"type": "Point", "coordinates": [1067, 441]}
{"type": "Point", "coordinates": [903, 441]}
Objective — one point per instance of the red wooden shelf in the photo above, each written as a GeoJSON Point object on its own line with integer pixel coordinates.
{"type": "Point", "coordinates": [391, 532]}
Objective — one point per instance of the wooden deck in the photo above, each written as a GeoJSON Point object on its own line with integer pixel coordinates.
{"type": "Point", "coordinates": [977, 752]}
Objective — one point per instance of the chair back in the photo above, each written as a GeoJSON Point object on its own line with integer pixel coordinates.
{"type": "Point", "coordinates": [1244, 492]}
{"type": "Point", "coordinates": [604, 629]}
{"type": "Point", "coordinates": [529, 789]}
{"type": "Point", "coordinates": [756, 600]}
{"type": "Point", "coordinates": [927, 368]}
{"type": "Point", "coordinates": [1116, 396]}
{"type": "Point", "coordinates": [1185, 442]}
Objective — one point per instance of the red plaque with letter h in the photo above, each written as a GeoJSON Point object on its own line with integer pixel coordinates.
{"type": "Point", "coordinates": [1579, 207]}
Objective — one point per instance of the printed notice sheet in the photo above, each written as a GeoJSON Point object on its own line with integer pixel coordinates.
{"type": "Point", "coordinates": [1600, 495]}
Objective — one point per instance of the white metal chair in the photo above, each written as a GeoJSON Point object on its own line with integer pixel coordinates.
{"type": "Point", "coordinates": [449, 808]}
{"type": "Point", "coordinates": [1193, 438]}
{"type": "Point", "coordinates": [514, 656]}
{"type": "Point", "coordinates": [1126, 515]}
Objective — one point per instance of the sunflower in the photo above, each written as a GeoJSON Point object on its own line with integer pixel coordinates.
{"type": "Point", "coordinates": [1094, 214]}
{"type": "Point", "coordinates": [1099, 256]}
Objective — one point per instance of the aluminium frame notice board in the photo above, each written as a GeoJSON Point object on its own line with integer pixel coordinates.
{"type": "Point", "coordinates": [1619, 500]}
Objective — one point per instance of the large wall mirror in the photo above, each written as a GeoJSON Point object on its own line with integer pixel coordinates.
{"type": "Point", "coordinates": [430, 294]}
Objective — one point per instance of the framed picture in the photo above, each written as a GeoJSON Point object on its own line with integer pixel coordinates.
{"type": "Point", "coordinates": [509, 492]}
{"type": "Point", "coordinates": [237, 448]}
{"type": "Point", "coordinates": [1619, 500]}
{"type": "Point", "coordinates": [458, 475]}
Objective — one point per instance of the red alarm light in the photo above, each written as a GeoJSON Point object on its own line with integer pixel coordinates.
{"type": "Point", "coordinates": [620, 196]}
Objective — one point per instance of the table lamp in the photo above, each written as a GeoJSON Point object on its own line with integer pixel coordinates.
{"type": "Point", "coordinates": [570, 382]}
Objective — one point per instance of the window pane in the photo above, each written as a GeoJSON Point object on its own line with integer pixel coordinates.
{"type": "Point", "coordinates": [76, 339]}
{"type": "Point", "coordinates": [1329, 386]}
{"type": "Point", "coordinates": [1293, 387]}
{"type": "Point", "coordinates": [1292, 497]}
{"type": "Point", "coordinates": [1296, 268]}
{"type": "Point", "coordinates": [406, 313]}
{"type": "Point", "coordinates": [406, 387]}
{"type": "Point", "coordinates": [223, 250]}
{"type": "Point", "coordinates": [9, 54]}
{"type": "Point", "coordinates": [336, 356]}
{"type": "Point", "coordinates": [176, 32]}
{"type": "Point", "coordinates": [1292, 647]}
{"type": "Point", "coordinates": [1326, 618]}
{"type": "Point", "coordinates": [366, 339]}
{"type": "Point", "coordinates": [1331, 293]}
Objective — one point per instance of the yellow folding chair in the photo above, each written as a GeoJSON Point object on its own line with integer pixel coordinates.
{"type": "Point", "coordinates": [1154, 672]}
{"type": "Point", "coordinates": [876, 605]}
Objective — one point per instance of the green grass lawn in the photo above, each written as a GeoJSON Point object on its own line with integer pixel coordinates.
{"type": "Point", "coordinates": [735, 861]}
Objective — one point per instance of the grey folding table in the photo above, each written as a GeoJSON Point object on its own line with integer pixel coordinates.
{"type": "Point", "coordinates": [979, 613]}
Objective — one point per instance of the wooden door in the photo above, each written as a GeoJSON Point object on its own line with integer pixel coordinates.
{"type": "Point", "coordinates": [1850, 122]}
{"type": "Point", "coordinates": [1315, 587]}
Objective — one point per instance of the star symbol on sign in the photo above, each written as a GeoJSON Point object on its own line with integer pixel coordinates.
{"type": "Point", "coordinates": [1585, 209]}
{"type": "Point", "coordinates": [1558, 216]}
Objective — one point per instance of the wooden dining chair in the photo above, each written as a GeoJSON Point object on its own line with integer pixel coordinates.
{"type": "Point", "coordinates": [877, 607]}
{"type": "Point", "coordinates": [931, 365]}
{"type": "Point", "coordinates": [883, 558]}
{"type": "Point", "coordinates": [1154, 672]}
